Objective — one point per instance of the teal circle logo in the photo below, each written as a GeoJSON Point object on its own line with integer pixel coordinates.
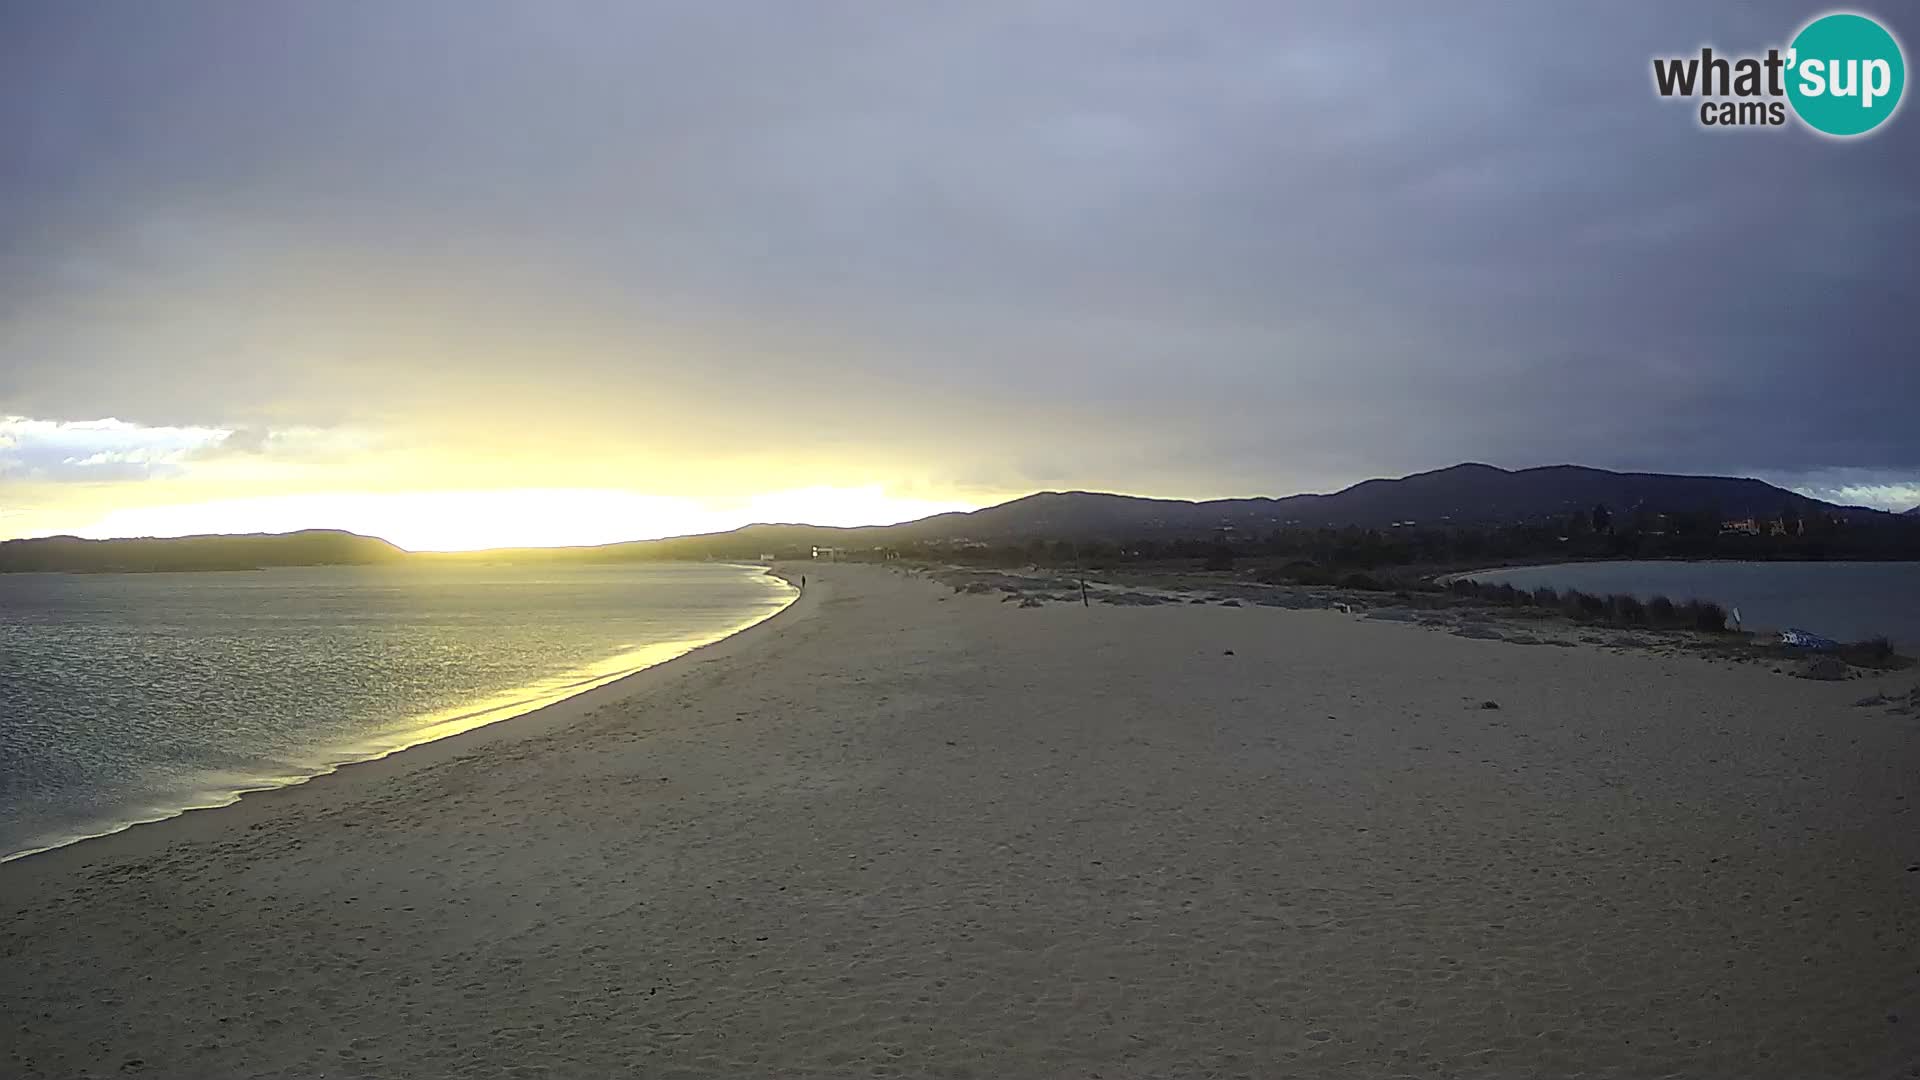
{"type": "Point", "coordinates": [1845, 74]}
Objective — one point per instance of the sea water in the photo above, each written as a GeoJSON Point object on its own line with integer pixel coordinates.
{"type": "Point", "coordinates": [1847, 601]}
{"type": "Point", "coordinates": [132, 697]}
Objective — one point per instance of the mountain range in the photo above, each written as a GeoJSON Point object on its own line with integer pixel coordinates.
{"type": "Point", "coordinates": [1463, 495]}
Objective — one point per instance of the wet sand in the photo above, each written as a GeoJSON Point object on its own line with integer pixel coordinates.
{"type": "Point", "coordinates": [898, 831]}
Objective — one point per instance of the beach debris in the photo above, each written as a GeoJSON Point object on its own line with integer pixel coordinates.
{"type": "Point", "coordinates": [1800, 639]}
{"type": "Point", "coordinates": [1030, 602]}
{"type": "Point", "coordinates": [1825, 669]}
{"type": "Point", "coordinates": [1229, 603]}
{"type": "Point", "coordinates": [1870, 700]}
{"type": "Point", "coordinates": [1907, 704]}
{"type": "Point", "coordinates": [1226, 652]}
{"type": "Point", "coordinates": [1489, 704]}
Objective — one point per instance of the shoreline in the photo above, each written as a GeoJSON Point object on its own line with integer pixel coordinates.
{"type": "Point", "coordinates": [1451, 575]}
{"type": "Point", "coordinates": [906, 830]}
{"type": "Point", "coordinates": [240, 796]}
{"type": "Point", "coordinates": [1736, 584]}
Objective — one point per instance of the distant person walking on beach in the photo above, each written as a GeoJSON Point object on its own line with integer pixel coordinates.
{"type": "Point", "coordinates": [803, 581]}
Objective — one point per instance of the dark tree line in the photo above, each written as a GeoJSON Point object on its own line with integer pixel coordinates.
{"type": "Point", "coordinates": [1596, 534]}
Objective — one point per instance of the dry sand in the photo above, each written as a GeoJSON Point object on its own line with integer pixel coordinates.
{"type": "Point", "coordinates": [899, 831]}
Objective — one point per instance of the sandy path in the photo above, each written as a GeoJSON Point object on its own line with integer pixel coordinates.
{"type": "Point", "coordinates": [896, 831]}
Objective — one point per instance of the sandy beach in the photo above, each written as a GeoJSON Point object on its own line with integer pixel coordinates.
{"type": "Point", "coordinates": [903, 831]}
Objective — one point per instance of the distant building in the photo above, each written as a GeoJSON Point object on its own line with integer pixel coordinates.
{"type": "Point", "coordinates": [1749, 526]}
{"type": "Point", "coordinates": [831, 554]}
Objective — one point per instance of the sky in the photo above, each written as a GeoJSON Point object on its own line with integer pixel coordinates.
{"type": "Point", "coordinates": [472, 273]}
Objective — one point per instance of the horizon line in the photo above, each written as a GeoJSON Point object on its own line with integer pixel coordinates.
{"type": "Point", "coordinates": [927, 517]}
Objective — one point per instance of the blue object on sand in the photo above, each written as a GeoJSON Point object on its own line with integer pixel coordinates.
{"type": "Point", "coordinates": [1800, 639]}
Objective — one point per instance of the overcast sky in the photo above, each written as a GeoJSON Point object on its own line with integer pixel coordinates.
{"type": "Point", "coordinates": [947, 252]}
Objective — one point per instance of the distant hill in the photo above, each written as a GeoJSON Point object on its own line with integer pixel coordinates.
{"type": "Point", "coordinates": [1463, 495]}
{"type": "Point", "coordinates": [1468, 494]}
{"type": "Point", "coordinates": [1915, 512]}
{"type": "Point", "coordinates": [313, 547]}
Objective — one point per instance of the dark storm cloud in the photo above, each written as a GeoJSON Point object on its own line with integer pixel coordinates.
{"type": "Point", "coordinates": [1181, 248]}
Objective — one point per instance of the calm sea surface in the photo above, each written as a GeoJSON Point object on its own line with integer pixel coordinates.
{"type": "Point", "coordinates": [1847, 601]}
{"type": "Point", "coordinates": [131, 697]}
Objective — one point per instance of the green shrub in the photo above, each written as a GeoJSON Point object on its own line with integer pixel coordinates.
{"type": "Point", "coordinates": [1626, 610]}
{"type": "Point", "coordinates": [1704, 615]}
{"type": "Point", "coordinates": [1873, 652]}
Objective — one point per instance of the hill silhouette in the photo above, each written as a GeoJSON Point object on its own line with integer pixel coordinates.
{"type": "Point", "coordinates": [1463, 495]}
{"type": "Point", "coordinates": [1470, 495]}
{"type": "Point", "coordinates": [250, 551]}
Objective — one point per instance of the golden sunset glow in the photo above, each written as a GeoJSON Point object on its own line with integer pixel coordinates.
{"type": "Point", "coordinates": [458, 490]}
{"type": "Point", "coordinates": [528, 517]}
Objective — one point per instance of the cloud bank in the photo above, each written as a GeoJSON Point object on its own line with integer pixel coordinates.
{"type": "Point", "coordinates": [1245, 248]}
